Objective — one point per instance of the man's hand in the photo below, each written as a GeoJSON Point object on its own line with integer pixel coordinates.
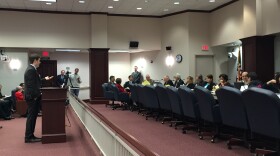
{"type": "Point", "coordinates": [48, 78]}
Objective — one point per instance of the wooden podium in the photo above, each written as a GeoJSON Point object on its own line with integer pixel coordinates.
{"type": "Point", "coordinates": [53, 118]}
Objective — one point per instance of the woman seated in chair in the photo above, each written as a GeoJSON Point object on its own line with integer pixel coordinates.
{"type": "Point", "coordinates": [119, 86]}
{"type": "Point", "coordinates": [209, 85]}
{"type": "Point", "coordinates": [224, 81]}
{"type": "Point", "coordinates": [19, 94]}
{"type": "Point", "coordinates": [189, 82]}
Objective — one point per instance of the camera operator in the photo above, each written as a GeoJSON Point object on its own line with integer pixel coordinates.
{"type": "Point", "coordinates": [74, 82]}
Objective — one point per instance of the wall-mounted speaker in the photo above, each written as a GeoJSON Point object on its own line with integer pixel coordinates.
{"type": "Point", "coordinates": [133, 44]}
{"type": "Point", "coordinates": [168, 48]}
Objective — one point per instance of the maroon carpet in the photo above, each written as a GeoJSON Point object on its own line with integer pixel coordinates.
{"type": "Point", "coordinates": [78, 140]}
{"type": "Point", "coordinates": [164, 140]}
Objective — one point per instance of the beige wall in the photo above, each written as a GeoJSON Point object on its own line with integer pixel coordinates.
{"type": "Point", "coordinates": [23, 29]}
{"type": "Point", "coordinates": [119, 65]}
{"type": "Point", "coordinates": [226, 24]}
{"type": "Point", "coordinates": [270, 16]}
{"type": "Point", "coordinates": [99, 33]}
{"type": "Point", "coordinates": [11, 79]}
{"type": "Point", "coordinates": [121, 30]}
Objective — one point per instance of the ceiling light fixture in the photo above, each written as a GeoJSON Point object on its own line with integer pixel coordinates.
{"type": "Point", "coordinates": [139, 8]}
{"type": "Point", "coordinates": [69, 50]}
{"type": "Point", "coordinates": [165, 10]}
{"type": "Point", "coordinates": [81, 2]}
{"type": "Point", "coordinates": [176, 3]}
{"type": "Point", "coordinates": [146, 1]}
{"type": "Point", "coordinates": [116, 0]}
{"type": "Point", "coordinates": [50, 1]}
{"type": "Point", "coordinates": [110, 7]}
{"type": "Point", "coordinates": [211, 1]}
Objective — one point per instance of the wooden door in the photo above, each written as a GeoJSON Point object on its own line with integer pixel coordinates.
{"type": "Point", "coordinates": [48, 68]}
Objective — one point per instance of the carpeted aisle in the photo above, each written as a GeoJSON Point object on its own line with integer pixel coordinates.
{"type": "Point", "coordinates": [164, 140]}
{"type": "Point", "coordinates": [78, 140]}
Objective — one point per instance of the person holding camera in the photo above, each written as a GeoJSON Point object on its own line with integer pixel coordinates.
{"type": "Point", "coordinates": [74, 82]}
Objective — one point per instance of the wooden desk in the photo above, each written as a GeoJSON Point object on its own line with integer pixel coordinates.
{"type": "Point", "coordinates": [53, 118]}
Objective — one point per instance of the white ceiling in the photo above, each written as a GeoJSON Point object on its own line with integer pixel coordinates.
{"type": "Point", "coordinates": [151, 7]}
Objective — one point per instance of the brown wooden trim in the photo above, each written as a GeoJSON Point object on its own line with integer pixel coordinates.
{"type": "Point", "coordinates": [45, 11]}
{"type": "Point", "coordinates": [224, 5]}
{"type": "Point", "coordinates": [53, 100]}
{"type": "Point", "coordinates": [184, 11]}
{"type": "Point", "coordinates": [134, 142]}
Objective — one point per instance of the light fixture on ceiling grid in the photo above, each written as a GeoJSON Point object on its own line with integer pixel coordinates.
{"type": "Point", "coordinates": [50, 1]}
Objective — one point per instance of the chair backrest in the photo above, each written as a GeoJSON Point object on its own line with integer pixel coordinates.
{"type": "Point", "coordinates": [263, 110]}
{"type": "Point", "coordinates": [13, 97]}
{"type": "Point", "coordinates": [133, 91]}
{"type": "Point", "coordinates": [232, 108]}
{"type": "Point", "coordinates": [188, 101]}
{"type": "Point", "coordinates": [206, 102]}
{"type": "Point", "coordinates": [163, 98]}
{"type": "Point", "coordinates": [151, 97]}
{"type": "Point", "coordinates": [174, 98]}
{"type": "Point", "coordinates": [104, 88]}
{"type": "Point", "coordinates": [141, 94]}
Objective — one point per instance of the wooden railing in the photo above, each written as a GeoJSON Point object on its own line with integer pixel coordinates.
{"type": "Point", "coordinates": [110, 139]}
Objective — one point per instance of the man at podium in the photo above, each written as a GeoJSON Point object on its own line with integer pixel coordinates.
{"type": "Point", "coordinates": [32, 81]}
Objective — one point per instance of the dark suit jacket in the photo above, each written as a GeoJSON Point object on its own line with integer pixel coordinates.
{"type": "Point", "coordinates": [169, 82]}
{"type": "Point", "coordinates": [179, 83]}
{"type": "Point", "coordinates": [32, 81]}
{"type": "Point", "coordinates": [190, 85]}
{"type": "Point", "coordinates": [60, 80]}
{"type": "Point", "coordinates": [137, 76]}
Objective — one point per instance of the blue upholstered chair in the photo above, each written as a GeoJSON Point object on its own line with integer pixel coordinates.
{"type": "Point", "coordinates": [164, 103]}
{"type": "Point", "coordinates": [119, 96]}
{"type": "Point", "coordinates": [176, 106]}
{"type": "Point", "coordinates": [152, 103]}
{"type": "Point", "coordinates": [189, 106]}
{"type": "Point", "coordinates": [233, 112]}
{"type": "Point", "coordinates": [209, 111]}
{"type": "Point", "coordinates": [141, 98]}
{"type": "Point", "coordinates": [109, 95]}
{"type": "Point", "coordinates": [263, 111]}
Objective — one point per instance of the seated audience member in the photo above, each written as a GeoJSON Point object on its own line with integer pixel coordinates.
{"type": "Point", "coordinates": [119, 86]}
{"type": "Point", "coordinates": [127, 83]}
{"type": "Point", "coordinates": [178, 80]}
{"type": "Point", "coordinates": [111, 82]}
{"type": "Point", "coordinates": [199, 80]}
{"type": "Point", "coordinates": [274, 84]}
{"type": "Point", "coordinates": [189, 82]}
{"type": "Point", "coordinates": [167, 81]}
{"type": "Point", "coordinates": [224, 81]}
{"type": "Point", "coordinates": [245, 80]}
{"type": "Point", "coordinates": [253, 80]}
{"type": "Point", "coordinates": [19, 94]}
{"type": "Point", "coordinates": [209, 82]}
{"type": "Point", "coordinates": [148, 81]}
{"type": "Point", "coordinates": [5, 106]}
{"type": "Point", "coordinates": [22, 86]}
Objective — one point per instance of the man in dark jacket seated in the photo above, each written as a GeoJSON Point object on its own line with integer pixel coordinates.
{"type": "Point", "coordinates": [5, 106]}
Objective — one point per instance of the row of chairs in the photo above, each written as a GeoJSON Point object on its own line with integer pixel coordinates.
{"type": "Point", "coordinates": [254, 112]}
{"type": "Point", "coordinates": [112, 93]}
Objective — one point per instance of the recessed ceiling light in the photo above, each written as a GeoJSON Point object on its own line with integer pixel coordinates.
{"type": "Point", "coordinates": [211, 0]}
{"type": "Point", "coordinates": [110, 7]}
{"type": "Point", "coordinates": [146, 1]}
{"type": "Point", "coordinates": [116, 0]}
{"type": "Point", "coordinates": [53, 1]}
{"type": "Point", "coordinates": [176, 3]}
{"type": "Point", "coordinates": [70, 50]}
{"type": "Point", "coordinates": [165, 10]}
{"type": "Point", "coordinates": [139, 8]}
{"type": "Point", "coordinates": [81, 1]}
{"type": "Point", "coordinates": [49, 3]}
